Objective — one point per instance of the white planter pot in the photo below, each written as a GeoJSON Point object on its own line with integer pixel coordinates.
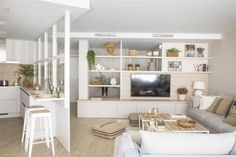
{"type": "Point", "coordinates": [182, 96]}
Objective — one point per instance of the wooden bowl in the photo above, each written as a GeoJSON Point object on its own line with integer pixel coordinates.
{"type": "Point", "coordinates": [187, 123]}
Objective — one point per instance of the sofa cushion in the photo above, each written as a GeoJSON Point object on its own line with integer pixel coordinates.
{"type": "Point", "coordinates": [220, 106]}
{"type": "Point", "coordinates": [186, 144]}
{"type": "Point", "coordinates": [206, 101]}
{"type": "Point", "coordinates": [231, 118]}
{"type": "Point", "coordinates": [228, 128]}
{"type": "Point", "coordinates": [127, 148]}
{"type": "Point", "coordinates": [198, 114]}
{"type": "Point", "coordinates": [215, 122]}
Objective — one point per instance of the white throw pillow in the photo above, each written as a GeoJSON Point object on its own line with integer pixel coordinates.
{"type": "Point", "coordinates": [163, 143]}
{"type": "Point", "coordinates": [206, 101]}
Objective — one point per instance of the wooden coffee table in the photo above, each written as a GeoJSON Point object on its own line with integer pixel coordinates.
{"type": "Point", "coordinates": [170, 124]}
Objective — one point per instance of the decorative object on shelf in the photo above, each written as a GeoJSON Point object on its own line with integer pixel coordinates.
{"type": "Point", "coordinates": [99, 67]}
{"type": "Point", "coordinates": [190, 50]}
{"type": "Point", "coordinates": [58, 91]}
{"type": "Point", "coordinates": [152, 65]}
{"type": "Point", "coordinates": [130, 67]}
{"type": "Point", "coordinates": [95, 82]}
{"type": "Point", "coordinates": [173, 52]}
{"type": "Point", "coordinates": [149, 53]}
{"type": "Point", "coordinates": [137, 67]}
{"type": "Point", "coordinates": [155, 53]}
{"type": "Point", "coordinates": [132, 52]}
{"type": "Point", "coordinates": [182, 91]}
{"type": "Point", "coordinates": [113, 81]}
{"type": "Point", "coordinates": [91, 58]}
{"type": "Point", "coordinates": [27, 71]}
{"type": "Point", "coordinates": [104, 92]}
{"type": "Point", "coordinates": [187, 123]}
{"type": "Point", "coordinates": [175, 66]}
{"type": "Point", "coordinates": [198, 86]}
{"type": "Point", "coordinates": [200, 51]}
{"type": "Point", "coordinates": [110, 47]}
{"type": "Point", "coordinates": [205, 67]}
{"type": "Point", "coordinates": [197, 67]}
{"type": "Point", "coordinates": [102, 78]}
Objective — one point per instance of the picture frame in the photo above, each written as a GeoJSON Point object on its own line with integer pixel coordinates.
{"type": "Point", "coordinates": [190, 50]}
{"type": "Point", "coordinates": [174, 66]}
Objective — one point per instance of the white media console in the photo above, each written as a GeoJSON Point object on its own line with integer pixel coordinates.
{"type": "Point", "coordinates": [122, 108]}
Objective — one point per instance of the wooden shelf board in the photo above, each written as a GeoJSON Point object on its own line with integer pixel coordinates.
{"type": "Point", "coordinates": [167, 72]}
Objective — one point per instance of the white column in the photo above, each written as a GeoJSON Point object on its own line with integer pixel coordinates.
{"type": "Point", "coordinates": [45, 56]}
{"type": "Point", "coordinates": [67, 60]}
{"type": "Point", "coordinates": [83, 69]}
{"type": "Point", "coordinates": [39, 64]}
{"type": "Point", "coordinates": [54, 54]}
{"type": "Point", "coordinates": [34, 62]}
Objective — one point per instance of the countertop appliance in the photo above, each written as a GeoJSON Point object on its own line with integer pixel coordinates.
{"type": "Point", "coordinates": [4, 83]}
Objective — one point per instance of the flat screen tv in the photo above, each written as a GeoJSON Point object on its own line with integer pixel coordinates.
{"type": "Point", "coordinates": [150, 85]}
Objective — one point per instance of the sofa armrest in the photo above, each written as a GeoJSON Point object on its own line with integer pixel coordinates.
{"type": "Point", "coordinates": [127, 148]}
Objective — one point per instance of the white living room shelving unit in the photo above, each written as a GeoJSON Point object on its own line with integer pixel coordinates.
{"type": "Point", "coordinates": [116, 65]}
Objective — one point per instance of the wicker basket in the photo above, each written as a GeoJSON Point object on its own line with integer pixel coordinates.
{"type": "Point", "coordinates": [172, 54]}
{"type": "Point", "coordinates": [187, 123]}
{"type": "Point", "coordinates": [132, 52]}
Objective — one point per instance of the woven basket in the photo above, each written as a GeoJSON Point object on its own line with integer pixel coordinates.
{"type": "Point", "coordinates": [172, 54]}
{"type": "Point", "coordinates": [187, 123]}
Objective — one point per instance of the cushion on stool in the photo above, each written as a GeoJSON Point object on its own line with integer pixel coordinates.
{"type": "Point", "coordinates": [134, 119]}
{"type": "Point", "coordinates": [108, 130]}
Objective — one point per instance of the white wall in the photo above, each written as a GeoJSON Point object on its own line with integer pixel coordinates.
{"type": "Point", "coordinates": [223, 64]}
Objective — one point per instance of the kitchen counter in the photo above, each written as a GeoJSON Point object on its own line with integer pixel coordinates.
{"type": "Point", "coordinates": [40, 95]}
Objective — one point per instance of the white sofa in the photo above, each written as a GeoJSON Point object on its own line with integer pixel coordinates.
{"type": "Point", "coordinates": [177, 144]}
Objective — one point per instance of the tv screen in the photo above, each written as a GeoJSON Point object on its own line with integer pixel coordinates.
{"type": "Point", "coordinates": [150, 85]}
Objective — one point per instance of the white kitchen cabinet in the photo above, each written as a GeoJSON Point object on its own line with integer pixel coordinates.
{"type": "Point", "coordinates": [9, 100]}
{"type": "Point", "coordinates": [24, 101]}
{"type": "Point", "coordinates": [86, 108]}
{"type": "Point", "coordinates": [20, 50]}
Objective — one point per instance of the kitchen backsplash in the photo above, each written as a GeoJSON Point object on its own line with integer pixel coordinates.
{"type": "Point", "coordinates": [8, 72]}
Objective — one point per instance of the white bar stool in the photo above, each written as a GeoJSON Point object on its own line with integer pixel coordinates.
{"type": "Point", "coordinates": [28, 109]}
{"type": "Point", "coordinates": [46, 115]}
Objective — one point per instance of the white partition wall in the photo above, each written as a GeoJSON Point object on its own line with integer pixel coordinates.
{"type": "Point", "coordinates": [53, 64]}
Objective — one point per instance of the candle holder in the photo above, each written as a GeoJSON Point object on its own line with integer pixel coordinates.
{"type": "Point", "coordinates": [58, 91]}
{"type": "Point", "coordinates": [51, 88]}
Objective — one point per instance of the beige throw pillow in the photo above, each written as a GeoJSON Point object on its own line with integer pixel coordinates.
{"type": "Point", "coordinates": [220, 106]}
{"type": "Point", "coordinates": [231, 118]}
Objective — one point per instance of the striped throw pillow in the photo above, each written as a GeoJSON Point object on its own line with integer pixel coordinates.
{"type": "Point", "coordinates": [220, 106]}
{"type": "Point", "coordinates": [231, 117]}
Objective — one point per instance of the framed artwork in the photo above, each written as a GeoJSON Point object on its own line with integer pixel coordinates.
{"type": "Point", "coordinates": [190, 50]}
{"type": "Point", "coordinates": [175, 66]}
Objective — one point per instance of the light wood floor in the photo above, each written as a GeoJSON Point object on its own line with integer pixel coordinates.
{"type": "Point", "coordinates": [83, 143]}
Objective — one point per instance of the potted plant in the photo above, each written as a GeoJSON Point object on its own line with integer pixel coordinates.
{"type": "Point", "coordinates": [91, 58]}
{"type": "Point", "coordinates": [104, 81]}
{"type": "Point", "coordinates": [137, 67]}
{"type": "Point", "coordinates": [182, 91]}
{"type": "Point", "coordinates": [130, 67]}
{"type": "Point", "coordinates": [173, 52]}
{"type": "Point", "coordinates": [27, 71]}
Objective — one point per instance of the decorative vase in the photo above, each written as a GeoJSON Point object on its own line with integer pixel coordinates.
{"type": "Point", "coordinates": [182, 96]}
{"type": "Point", "coordinates": [130, 68]}
{"type": "Point", "coordinates": [104, 92]}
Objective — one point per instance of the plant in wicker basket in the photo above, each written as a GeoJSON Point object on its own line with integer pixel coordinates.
{"type": "Point", "coordinates": [173, 52]}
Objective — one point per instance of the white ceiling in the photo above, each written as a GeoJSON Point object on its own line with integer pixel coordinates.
{"type": "Point", "coordinates": [161, 16]}
{"type": "Point", "coordinates": [27, 19]}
